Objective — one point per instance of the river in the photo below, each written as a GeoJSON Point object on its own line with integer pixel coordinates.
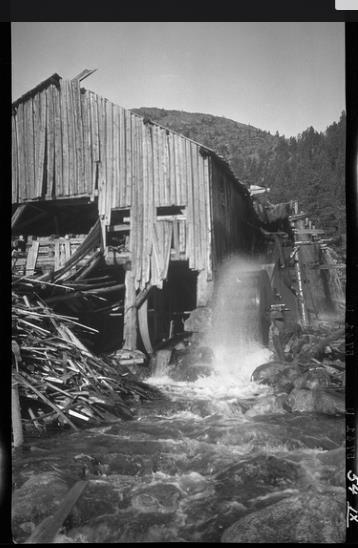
{"type": "Point", "coordinates": [193, 467]}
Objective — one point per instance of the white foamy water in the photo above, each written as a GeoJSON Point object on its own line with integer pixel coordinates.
{"type": "Point", "coordinates": [234, 338]}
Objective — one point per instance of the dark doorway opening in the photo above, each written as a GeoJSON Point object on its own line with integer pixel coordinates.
{"type": "Point", "coordinates": [170, 306]}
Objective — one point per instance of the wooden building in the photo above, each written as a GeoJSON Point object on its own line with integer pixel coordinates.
{"type": "Point", "coordinates": [174, 205]}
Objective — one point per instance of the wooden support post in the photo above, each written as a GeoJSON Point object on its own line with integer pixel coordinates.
{"type": "Point", "coordinates": [204, 289]}
{"type": "Point", "coordinates": [130, 313]}
{"type": "Point", "coordinates": [299, 224]}
{"type": "Point", "coordinates": [17, 433]}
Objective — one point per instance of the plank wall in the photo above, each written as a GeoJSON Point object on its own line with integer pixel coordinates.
{"type": "Point", "coordinates": [69, 142]}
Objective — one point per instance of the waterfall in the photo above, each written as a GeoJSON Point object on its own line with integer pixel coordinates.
{"type": "Point", "coordinates": [235, 336]}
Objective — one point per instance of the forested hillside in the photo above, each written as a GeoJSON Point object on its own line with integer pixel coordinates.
{"type": "Point", "coordinates": [309, 168]}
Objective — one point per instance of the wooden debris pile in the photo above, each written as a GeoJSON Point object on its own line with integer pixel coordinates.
{"type": "Point", "coordinates": [59, 380]}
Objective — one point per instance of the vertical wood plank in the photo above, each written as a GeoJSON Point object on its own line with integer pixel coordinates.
{"type": "Point", "coordinates": [189, 208]}
{"type": "Point", "coordinates": [78, 135]}
{"type": "Point", "coordinates": [21, 151]}
{"type": "Point", "coordinates": [177, 185]}
{"type": "Point", "coordinates": [202, 210]}
{"type": "Point", "coordinates": [195, 209]}
{"type": "Point", "coordinates": [28, 147]}
{"type": "Point", "coordinates": [42, 143]}
{"type": "Point", "coordinates": [32, 258]}
{"type": "Point", "coordinates": [209, 220]}
{"type": "Point", "coordinates": [58, 143]}
{"type": "Point", "coordinates": [129, 153]}
{"type": "Point", "coordinates": [172, 193]}
{"type": "Point", "coordinates": [50, 145]}
{"type": "Point", "coordinates": [86, 139]}
{"type": "Point", "coordinates": [116, 177]}
{"type": "Point", "coordinates": [130, 313]}
{"type": "Point", "coordinates": [122, 160]}
{"type": "Point", "coordinates": [65, 138]}
{"type": "Point", "coordinates": [155, 154]}
{"type": "Point", "coordinates": [168, 164]}
{"type": "Point", "coordinates": [14, 161]}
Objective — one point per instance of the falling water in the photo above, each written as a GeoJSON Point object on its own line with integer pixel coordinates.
{"type": "Point", "coordinates": [234, 339]}
{"type": "Point", "coordinates": [235, 336]}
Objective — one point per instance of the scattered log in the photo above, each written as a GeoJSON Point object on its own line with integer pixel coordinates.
{"type": "Point", "coordinates": [46, 531]}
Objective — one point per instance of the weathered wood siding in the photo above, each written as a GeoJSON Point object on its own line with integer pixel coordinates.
{"type": "Point", "coordinates": [234, 222]}
{"type": "Point", "coordinates": [69, 142]}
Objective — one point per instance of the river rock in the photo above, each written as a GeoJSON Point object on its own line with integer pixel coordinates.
{"type": "Point", "coordinates": [160, 497]}
{"type": "Point", "coordinates": [256, 476]}
{"type": "Point", "coordinates": [312, 379]}
{"type": "Point", "coordinates": [330, 403]}
{"type": "Point", "coordinates": [308, 518]}
{"type": "Point", "coordinates": [278, 375]}
{"type": "Point", "coordinates": [301, 400]}
{"type": "Point", "coordinates": [271, 404]}
{"type": "Point", "coordinates": [36, 499]}
{"type": "Point", "coordinates": [266, 371]}
{"type": "Point", "coordinates": [333, 466]}
{"type": "Point", "coordinates": [318, 401]}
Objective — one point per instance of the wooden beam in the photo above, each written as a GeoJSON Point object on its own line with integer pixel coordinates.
{"type": "Point", "coordinates": [130, 313]}
{"type": "Point", "coordinates": [84, 74]}
{"type": "Point", "coordinates": [32, 258]}
{"type": "Point", "coordinates": [16, 215]}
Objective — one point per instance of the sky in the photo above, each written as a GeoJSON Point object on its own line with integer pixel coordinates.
{"type": "Point", "coordinates": [280, 77]}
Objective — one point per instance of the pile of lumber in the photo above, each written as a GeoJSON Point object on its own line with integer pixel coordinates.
{"type": "Point", "coordinates": [58, 379]}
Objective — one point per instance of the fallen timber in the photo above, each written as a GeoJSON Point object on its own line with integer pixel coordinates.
{"type": "Point", "coordinates": [55, 376]}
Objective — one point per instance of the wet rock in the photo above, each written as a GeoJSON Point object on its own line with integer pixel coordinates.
{"type": "Point", "coordinates": [301, 400]}
{"type": "Point", "coordinates": [159, 497]}
{"type": "Point", "coordinates": [193, 483]}
{"type": "Point", "coordinates": [309, 518]}
{"type": "Point", "coordinates": [333, 466]}
{"type": "Point", "coordinates": [36, 499]}
{"type": "Point", "coordinates": [271, 404]}
{"type": "Point", "coordinates": [267, 370]}
{"type": "Point", "coordinates": [313, 379]}
{"type": "Point", "coordinates": [257, 476]}
{"type": "Point", "coordinates": [318, 401]}
{"type": "Point", "coordinates": [279, 376]}
{"type": "Point", "coordinates": [99, 498]}
{"type": "Point", "coordinates": [199, 320]}
{"type": "Point", "coordinates": [330, 403]}
{"type": "Point", "coordinates": [123, 526]}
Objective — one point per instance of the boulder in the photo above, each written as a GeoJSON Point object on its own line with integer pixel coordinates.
{"type": "Point", "coordinates": [263, 373]}
{"type": "Point", "coordinates": [266, 405]}
{"type": "Point", "coordinates": [257, 475]}
{"type": "Point", "coordinates": [280, 376]}
{"type": "Point", "coordinates": [330, 403]}
{"type": "Point", "coordinates": [318, 401]}
{"type": "Point", "coordinates": [301, 400]}
{"type": "Point", "coordinates": [307, 518]}
{"type": "Point", "coordinates": [312, 379]}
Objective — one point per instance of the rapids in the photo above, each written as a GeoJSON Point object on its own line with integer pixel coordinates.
{"type": "Point", "coordinates": [193, 466]}
{"type": "Point", "coordinates": [189, 468]}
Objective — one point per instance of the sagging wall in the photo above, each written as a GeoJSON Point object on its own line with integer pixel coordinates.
{"type": "Point", "coordinates": [69, 142]}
